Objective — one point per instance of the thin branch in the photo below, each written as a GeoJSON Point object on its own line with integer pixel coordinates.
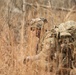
{"type": "Point", "coordinates": [48, 7]}
{"type": "Point", "coordinates": [69, 13]}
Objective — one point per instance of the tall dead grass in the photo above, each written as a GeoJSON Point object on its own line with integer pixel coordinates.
{"type": "Point", "coordinates": [12, 54]}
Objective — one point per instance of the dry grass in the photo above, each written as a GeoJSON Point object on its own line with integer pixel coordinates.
{"type": "Point", "coordinates": [13, 53]}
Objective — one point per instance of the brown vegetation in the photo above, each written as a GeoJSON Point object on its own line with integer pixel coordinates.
{"type": "Point", "coordinates": [17, 41]}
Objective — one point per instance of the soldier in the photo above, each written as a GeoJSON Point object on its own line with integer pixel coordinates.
{"type": "Point", "coordinates": [47, 52]}
{"type": "Point", "coordinates": [65, 56]}
{"type": "Point", "coordinates": [66, 49]}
